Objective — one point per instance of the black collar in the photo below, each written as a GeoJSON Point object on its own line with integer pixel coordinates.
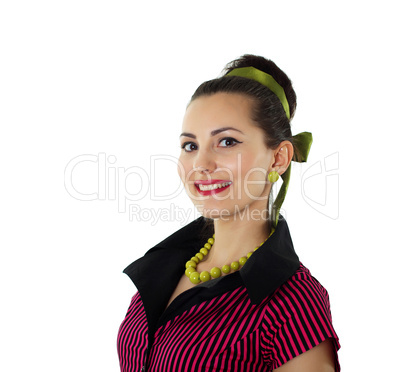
{"type": "Point", "coordinates": [157, 273]}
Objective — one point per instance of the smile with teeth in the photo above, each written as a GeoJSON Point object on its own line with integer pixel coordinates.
{"type": "Point", "coordinates": [213, 186]}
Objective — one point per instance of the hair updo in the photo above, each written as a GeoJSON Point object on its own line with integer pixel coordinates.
{"type": "Point", "coordinates": [266, 111]}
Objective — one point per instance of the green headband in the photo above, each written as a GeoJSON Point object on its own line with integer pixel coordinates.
{"type": "Point", "coordinates": [301, 141]}
{"type": "Point", "coordinates": [264, 79]}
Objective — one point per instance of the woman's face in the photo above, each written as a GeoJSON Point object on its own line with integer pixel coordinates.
{"type": "Point", "coordinates": [224, 162]}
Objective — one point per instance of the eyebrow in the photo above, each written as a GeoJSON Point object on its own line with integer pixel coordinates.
{"type": "Point", "coordinates": [213, 133]}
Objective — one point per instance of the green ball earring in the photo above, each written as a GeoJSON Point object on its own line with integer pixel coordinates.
{"type": "Point", "coordinates": [273, 176]}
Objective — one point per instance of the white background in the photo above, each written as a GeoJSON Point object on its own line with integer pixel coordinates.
{"type": "Point", "coordinates": [113, 78]}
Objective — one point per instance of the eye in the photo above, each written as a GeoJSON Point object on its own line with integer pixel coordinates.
{"type": "Point", "coordinates": [188, 146]}
{"type": "Point", "coordinates": [229, 141]}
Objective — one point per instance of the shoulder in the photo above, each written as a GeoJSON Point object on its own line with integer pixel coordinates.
{"type": "Point", "coordinates": [299, 300]}
{"type": "Point", "coordinates": [297, 318]}
{"type": "Point", "coordinates": [305, 292]}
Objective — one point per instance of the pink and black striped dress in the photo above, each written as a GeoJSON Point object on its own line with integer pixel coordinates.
{"type": "Point", "coordinates": [255, 319]}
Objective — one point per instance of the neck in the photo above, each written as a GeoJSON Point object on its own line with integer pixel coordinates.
{"type": "Point", "coordinates": [235, 237]}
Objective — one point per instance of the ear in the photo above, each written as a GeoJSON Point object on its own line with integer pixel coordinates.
{"type": "Point", "coordinates": [283, 155]}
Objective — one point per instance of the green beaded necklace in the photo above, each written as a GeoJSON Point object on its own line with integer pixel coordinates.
{"type": "Point", "coordinates": [196, 277]}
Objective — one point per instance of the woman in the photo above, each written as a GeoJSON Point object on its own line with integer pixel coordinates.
{"type": "Point", "coordinates": [227, 292]}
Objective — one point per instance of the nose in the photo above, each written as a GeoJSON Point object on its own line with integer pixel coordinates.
{"type": "Point", "coordinates": [204, 162]}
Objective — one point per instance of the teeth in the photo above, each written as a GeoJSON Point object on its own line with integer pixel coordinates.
{"type": "Point", "coordinates": [214, 186]}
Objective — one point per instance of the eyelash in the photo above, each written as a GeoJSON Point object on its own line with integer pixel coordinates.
{"type": "Point", "coordinates": [226, 138]}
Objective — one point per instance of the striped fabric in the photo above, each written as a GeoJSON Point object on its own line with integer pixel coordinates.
{"type": "Point", "coordinates": [230, 333]}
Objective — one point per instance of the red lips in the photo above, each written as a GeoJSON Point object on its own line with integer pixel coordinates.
{"type": "Point", "coordinates": [206, 183]}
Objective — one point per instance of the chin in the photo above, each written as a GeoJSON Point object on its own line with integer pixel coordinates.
{"type": "Point", "coordinates": [214, 213]}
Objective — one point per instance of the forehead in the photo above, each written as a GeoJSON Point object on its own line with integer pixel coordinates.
{"type": "Point", "coordinates": [219, 109]}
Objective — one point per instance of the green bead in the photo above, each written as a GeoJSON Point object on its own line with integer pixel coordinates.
{"type": "Point", "coordinates": [249, 254]}
{"type": "Point", "coordinates": [226, 269]}
{"type": "Point", "coordinates": [216, 272]}
{"type": "Point", "coordinates": [273, 176]}
{"type": "Point", "coordinates": [204, 251]}
{"type": "Point", "coordinates": [195, 259]}
{"type": "Point", "coordinates": [191, 263]}
{"type": "Point", "coordinates": [207, 246]}
{"type": "Point", "coordinates": [234, 265]}
{"type": "Point", "coordinates": [189, 270]}
{"type": "Point", "coordinates": [242, 260]}
{"type": "Point", "coordinates": [195, 277]}
{"type": "Point", "coordinates": [213, 236]}
{"type": "Point", "coordinates": [211, 241]}
{"type": "Point", "coordinates": [200, 256]}
{"type": "Point", "coordinates": [204, 276]}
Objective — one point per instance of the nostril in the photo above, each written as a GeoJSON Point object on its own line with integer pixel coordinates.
{"type": "Point", "coordinates": [201, 169]}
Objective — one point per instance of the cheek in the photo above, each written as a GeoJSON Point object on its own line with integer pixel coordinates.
{"type": "Point", "coordinates": [254, 175]}
{"type": "Point", "coordinates": [179, 169]}
{"type": "Point", "coordinates": [185, 171]}
{"type": "Point", "coordinates": [228, 169]}
{"type": "Point", "coordinates": [182, 168]}
{"type": "Point", "coordinates": [252, 169]}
